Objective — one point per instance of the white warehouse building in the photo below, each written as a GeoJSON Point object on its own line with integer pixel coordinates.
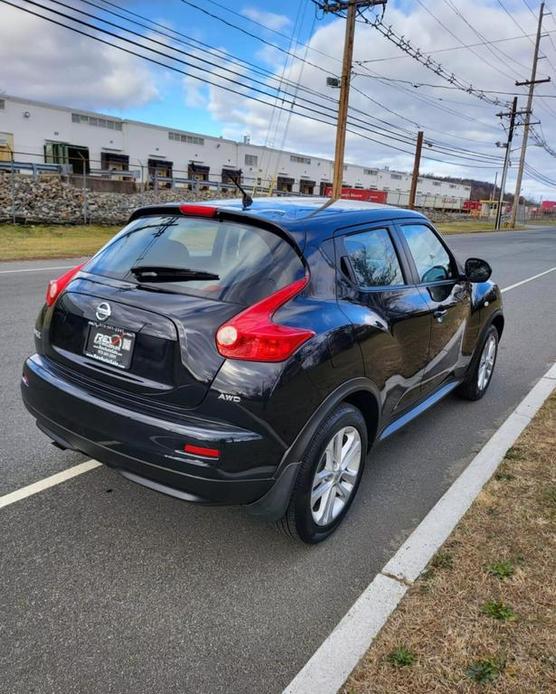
{"type": "Point", "coordinates": [35, 134]}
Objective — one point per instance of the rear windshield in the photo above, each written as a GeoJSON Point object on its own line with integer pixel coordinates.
{"type": "Point", "coordinates": [251, 263]}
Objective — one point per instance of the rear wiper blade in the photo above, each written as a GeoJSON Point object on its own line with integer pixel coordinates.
{"type": "Point", "coordinates": [160, 273]}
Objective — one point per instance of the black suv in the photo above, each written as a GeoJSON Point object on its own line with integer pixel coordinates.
{"type": "Point", "coordinates": [227, 355]}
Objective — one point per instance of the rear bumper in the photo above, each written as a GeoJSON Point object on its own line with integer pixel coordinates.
{"type": "Point", "coordinates": [147, 449]}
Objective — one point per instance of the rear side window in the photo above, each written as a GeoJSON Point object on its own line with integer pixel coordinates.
{"type": "Point", "coordinates": [431, 258]}
{"type": "Point", "coordinates": [250, 262]}
{"type": "Point", "coordinates": [373, 258]}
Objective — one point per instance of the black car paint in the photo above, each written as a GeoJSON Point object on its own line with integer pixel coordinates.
{"type": "Point", "coordinates": [380, 349]}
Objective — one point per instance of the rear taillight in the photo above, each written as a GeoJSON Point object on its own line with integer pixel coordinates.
{"type": "Point", "coordinates": [57, 286]}
{"type": "Point", "coordinates": [252, 336]}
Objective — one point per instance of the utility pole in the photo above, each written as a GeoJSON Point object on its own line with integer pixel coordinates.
{"type": "Point", "coordinates": [493, 194]}
{"type": "Point", "coordinates": [352, 7]}
{"type": "Point", "coordinates": [531, 84]}
{"type": "Point", "coordinates": [416, 165]}
{"type": "Point", "coordinates": [508, 145]}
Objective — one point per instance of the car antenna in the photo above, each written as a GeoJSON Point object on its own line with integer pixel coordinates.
{"type": "Point", "coordinates": [247, 200]}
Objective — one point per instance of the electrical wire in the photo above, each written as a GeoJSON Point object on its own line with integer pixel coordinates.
{"type": "Point", "coordinates": [453, 48]}
{"type": "Point", "coordinates": [514, 20]}
{"type": "Point", "coordinates": [465, 158]}
{"type": "Point", "coordinates": [296, 86]}
{"type": "Point", "coordinates": [489, 44]}
{"type": "Point", "coordinates": [183, 39]}
{"type": "Point", "coordinates": [331, 110]}
{"type": "Point", "coordinates": [476, 53]}
{"type": "Point", "coordinates": [428, 62]}
{"type": "Point", "coordinates": [538, 176]}
{"type": "Point", "coordinates": [244, 31]}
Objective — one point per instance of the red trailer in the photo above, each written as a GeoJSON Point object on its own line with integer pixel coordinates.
{"type": "Point", "coordinates": [471, 205]}
{"type": "Point", "coordinates": [359, 194]}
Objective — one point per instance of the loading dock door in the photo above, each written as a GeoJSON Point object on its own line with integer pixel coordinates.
{"type": "Point", "coordinates": [198, 172]}
{"type": "Point", "coordinates": [6, 146]}
{"type": "Point", "coordinates": [231, 175]}
{"type": "Point", "coordinates": [306, 187]}
{"type": "Point", "coordinates": [160, 168]}
{"type": "Point", "coordinates": [110, 161]}
{"type": "Point", "coordinates": [284, 184]}
{"type": "Point", "coordinates": [63, 153]}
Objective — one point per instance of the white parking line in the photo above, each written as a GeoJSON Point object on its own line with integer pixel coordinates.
{"type": "Point", "coordinates": [330, 666]}
{"type": "Point", "coordinates": [37, 269]}
{"type": "Point", "coordinates": [47, 482]}
{"type": "Point", "coordinates": [529, 279]}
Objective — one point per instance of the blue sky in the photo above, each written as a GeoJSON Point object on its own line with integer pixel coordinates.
{"type": "Point", "coordinates": [172, 110]}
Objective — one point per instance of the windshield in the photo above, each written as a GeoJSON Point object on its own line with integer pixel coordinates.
{"type": "Point", "coordinates": [249, 263]}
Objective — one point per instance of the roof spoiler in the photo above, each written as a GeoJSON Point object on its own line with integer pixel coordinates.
{"type": "Point", "coordinates": [220, 214]}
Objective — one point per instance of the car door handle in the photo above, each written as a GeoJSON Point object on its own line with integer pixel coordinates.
{"type": "Point", "coordinates": [440, 313]}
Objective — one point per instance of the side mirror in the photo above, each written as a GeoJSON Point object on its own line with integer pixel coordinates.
{"type": "Point", "coordinates": [477, 270]}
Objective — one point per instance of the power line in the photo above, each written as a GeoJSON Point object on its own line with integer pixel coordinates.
{"type": "Point", "coordinates": [249, 33]}
{"type": "Point", "coordinates": [529, 8]}
{"type": "Point", "coordinates": [430, 101]}
{"type": "Point", "coordinates": [540, 140]}
{"type": "Point", "coordinates": [465, 156]}
{"type": "Point", "coordinates": [486, 44]}
{"type": "Point", "coordinates": [428, 62]}
{"type": "Point", "coordinates": [453, 48]}
{"type": "Point", "coordinates": [304, 61]}
{"type": "Point", "coordinates": [241, 29]}
{"type": "Point", "coordinates": [473, 28]}
{"type": "Point", "coordinates": [293, 42]}
{"type": "Point", "coordinates": [447, 86]}
{"type": "Point", "coordinates": [210, 63]}
{"type": "Point", "coordinates": [296, 86]}
{"type": "Point", "coordinates": [514, 20]}
{"type": "Point", "coordinates": [539, 177]}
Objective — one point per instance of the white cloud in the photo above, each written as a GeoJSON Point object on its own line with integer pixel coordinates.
{"type": "Point", "coordinates": [42, 61]}
{"type": "Point", "coordinates": [269, 19]}
{"type": "Point", "coordinates": [450, 117]}
{"type": "Point", "coordinates": [46, 62]}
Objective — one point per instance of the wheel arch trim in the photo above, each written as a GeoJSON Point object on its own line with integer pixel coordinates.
{"type": "Point", "coordinates": [356, 391]}
{"type": "Point", "coordinates": [273, 505]}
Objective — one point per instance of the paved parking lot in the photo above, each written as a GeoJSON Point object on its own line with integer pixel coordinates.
{"type": "Point", "coordinates": [108, 587]}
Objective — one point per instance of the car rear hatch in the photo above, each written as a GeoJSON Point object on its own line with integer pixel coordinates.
{"type": "Point", "coordinates": [139, 321]}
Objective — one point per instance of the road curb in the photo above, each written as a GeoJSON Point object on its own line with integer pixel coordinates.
{"type": "Point", "coordinates": [329, 667]}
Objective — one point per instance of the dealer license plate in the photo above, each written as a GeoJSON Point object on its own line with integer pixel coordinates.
{"type": "Point", "coordinates": [110, 345]}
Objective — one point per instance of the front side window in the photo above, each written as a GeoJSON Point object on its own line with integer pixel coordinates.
{"type": "Point", "coordinates": [373, 258]}
{"type": "Point", "coordinates": [245, 263]}
{"type": "Point", "coordinates": [431, 259]}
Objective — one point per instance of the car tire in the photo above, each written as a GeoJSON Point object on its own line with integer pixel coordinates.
{"type": "Point", "coordinates": [332, 466]}
{"type": "Point", "coordinates": [480, 372]}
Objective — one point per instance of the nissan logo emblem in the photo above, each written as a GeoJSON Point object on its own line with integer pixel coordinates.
{"type": "Point", "coordinates": [103, 311]}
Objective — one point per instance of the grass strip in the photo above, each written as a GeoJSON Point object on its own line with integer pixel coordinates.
{"type": "Point", "coordinates": [482, 617]}
{"type": "Point", "coordinates": [38, 241]}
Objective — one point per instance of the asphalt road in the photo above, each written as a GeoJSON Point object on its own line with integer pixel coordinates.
{"type": "Point", "coordinates": [108, 587]}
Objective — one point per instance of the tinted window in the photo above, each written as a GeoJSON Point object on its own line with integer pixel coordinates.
{"type": "Point", "coordinates": [251, 263]}
{"type": "Point", "coordinates": [373, 258]}
{"type": "Point", "coordinates": [431, 258]}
